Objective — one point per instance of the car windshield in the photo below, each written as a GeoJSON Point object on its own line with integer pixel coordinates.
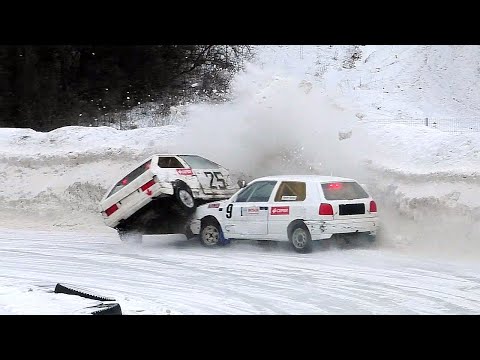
{"type": "Point", "coordinates": [198, 162]}
{"type": "Point", "coordinates": [343, 191]}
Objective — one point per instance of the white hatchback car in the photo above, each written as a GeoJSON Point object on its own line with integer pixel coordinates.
{"type": "Point", "coordinates": [163, 185]}
{"type": "Point", "coordinates": [299, 209]}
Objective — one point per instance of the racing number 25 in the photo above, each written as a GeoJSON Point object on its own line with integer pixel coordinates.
{"type": "Point", "coordinates": [219, 179]}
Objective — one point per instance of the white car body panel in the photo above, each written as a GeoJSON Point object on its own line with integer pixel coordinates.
{"type": "Point", "coordinates": [131, 198]}
{"type": "Point", "coordinates": [269, 220]}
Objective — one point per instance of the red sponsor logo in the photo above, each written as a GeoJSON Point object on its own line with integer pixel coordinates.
{"type": "Point", "coordinates": [149, 192]}
{"type": "Point", "coordinates": [184, 171]}
{"type": "Point", "coordinates": [280, 210]}
{"type": "Point", "coordinates": [214, 206]}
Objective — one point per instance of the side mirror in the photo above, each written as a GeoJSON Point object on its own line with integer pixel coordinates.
{"type": "Point", "coordinates": [242, 183]}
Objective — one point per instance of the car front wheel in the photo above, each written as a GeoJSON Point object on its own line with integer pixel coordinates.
{"type": "Point", "coordinates": [210, 234]}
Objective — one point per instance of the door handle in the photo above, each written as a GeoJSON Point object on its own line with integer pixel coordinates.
{"type": "Point", "coordinates": [263, 207]}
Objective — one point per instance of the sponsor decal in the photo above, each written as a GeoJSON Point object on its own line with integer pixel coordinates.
{"type": "Point", "coordinates": [148, 192]}
{"type": "Point", "coordinates": [280, 210]}
{"type": "Point", "coordinates": [289, 197]}
{"type": "Point", "coordinates": [185, 172]}
{"type": "Point", "coordinates": [253, 210]}
{"type": "Point", "coordinates": [214, 206]}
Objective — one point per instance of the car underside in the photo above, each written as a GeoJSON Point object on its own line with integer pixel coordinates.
{"type": "Point", "coordinates": [161, 216]}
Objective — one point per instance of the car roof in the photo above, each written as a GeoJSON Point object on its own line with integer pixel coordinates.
{"type": "Point", "coordinates": [305, 178]}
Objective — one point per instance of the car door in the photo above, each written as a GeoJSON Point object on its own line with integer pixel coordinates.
{"type": "Point", "coordinates": [288, 204]}
{"type": "Point", "coordinates": [247, 215]}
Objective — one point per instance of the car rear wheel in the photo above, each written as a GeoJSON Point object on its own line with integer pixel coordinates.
{"type": "Point", "coordinates": [185, 202]}
{"type": "Point", "coordinates": [301, 239]}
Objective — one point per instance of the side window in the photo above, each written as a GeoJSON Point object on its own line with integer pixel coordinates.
{"type": "Point", "coordinates": [245, 194]}
{"type": "Point", "coordinates": [169, 162]}
{"type": "Point", "coordinates": [257, 192]}
{"type": "Point", "coordinates": [262, 193]}
{"type": "Point", "coordinates": [291, 191]}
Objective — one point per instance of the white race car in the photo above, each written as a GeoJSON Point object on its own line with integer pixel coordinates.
{"type": "Point", "coordinates": [157, 194]}
{"type": "Point", "coordinates": [299, 209]}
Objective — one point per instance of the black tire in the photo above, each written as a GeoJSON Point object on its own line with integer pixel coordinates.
{"type": "Point", "coordinates": [210, 234]}
{"type": "Point", "coordinates": [184, 200]}
{"type": "Point", "coordinates": [69, 290]}
{"type": "Point", "coordinates": [300, 238]}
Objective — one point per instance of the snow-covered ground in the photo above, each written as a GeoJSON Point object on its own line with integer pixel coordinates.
{"type": "Point", "coordinates": [286, 113]}
{"type": "Point", "coordinates": [176, 276]}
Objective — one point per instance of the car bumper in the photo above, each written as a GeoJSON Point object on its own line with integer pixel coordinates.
{"type": "Point", "coordinates": [325, 229]}
{"type": "Point", "coordinates": [133, 205]}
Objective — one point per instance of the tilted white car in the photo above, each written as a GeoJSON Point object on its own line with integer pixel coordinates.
{"type": "Point", "coordinates": [299, 209]}
{"type": "Point", "coordinates": [163, 185]}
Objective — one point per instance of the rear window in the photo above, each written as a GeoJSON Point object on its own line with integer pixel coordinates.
{"type": "Point", "coordinates": [198, 162]}
{"type": "Point", "coordinates": [130, 177]}
{"type": "Point", "coordinates": [343, 191]}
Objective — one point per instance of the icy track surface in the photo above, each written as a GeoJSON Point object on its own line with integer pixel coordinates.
{"type": "Point", "coordinates": [175, 276]}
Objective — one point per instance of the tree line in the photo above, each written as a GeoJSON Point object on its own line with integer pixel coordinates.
{"type": "Point", "coordinates": [46, 87]}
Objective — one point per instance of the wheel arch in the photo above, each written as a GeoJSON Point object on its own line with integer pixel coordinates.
{"type": "Point", "coordinates": [179, 184]}
{"type": "Point", "coordinates": [210, 219]}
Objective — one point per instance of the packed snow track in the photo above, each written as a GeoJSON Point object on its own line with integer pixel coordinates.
{"type": "Point", "coordinates": [172, 275]}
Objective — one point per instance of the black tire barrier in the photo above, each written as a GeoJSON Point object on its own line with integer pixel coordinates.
{"type": "Point", "coordinates": [61, 289]}
{"type": "Point", "coordinates": [108, 309]}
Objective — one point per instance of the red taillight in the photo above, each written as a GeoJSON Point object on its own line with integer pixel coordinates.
{"type": "Point", "coordinates": [111, 209]}
{"type": "Point", "coordinates": [147, 185]}
{"type": "Point", "coordinates": [373, 206]}
{"type": "Point", "coordinates": [325, 209]}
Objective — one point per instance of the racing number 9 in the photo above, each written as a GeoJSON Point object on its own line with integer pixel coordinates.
{"type": "Point", "coordinates": [229, 211]}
